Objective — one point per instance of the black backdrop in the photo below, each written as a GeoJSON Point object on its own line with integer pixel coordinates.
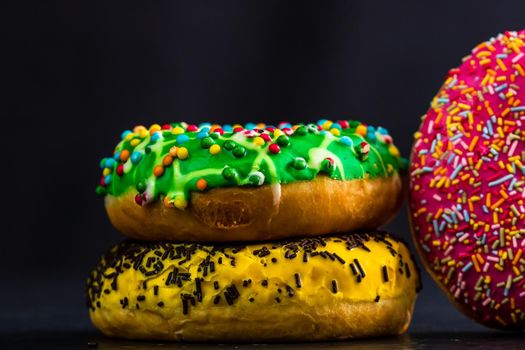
{"type": "Point", "coordinates": [75, 74]}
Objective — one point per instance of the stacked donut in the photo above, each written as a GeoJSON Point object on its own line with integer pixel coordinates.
{"type": "Point", "coordinates": [253, 233]}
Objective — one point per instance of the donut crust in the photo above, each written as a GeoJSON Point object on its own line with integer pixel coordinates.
{"type": "Point", "coordinates": [312, 208]}
{"type": "Point", "coordinates": [279, 296]}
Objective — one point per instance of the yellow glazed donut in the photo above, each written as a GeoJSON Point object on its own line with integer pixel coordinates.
{"type": "Point", "coordinates": [336, 287]}
{"type": "Point", "coordinates": [232, 183]}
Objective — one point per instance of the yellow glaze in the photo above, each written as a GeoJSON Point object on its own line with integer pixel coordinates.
{"type": "Point", "coordinates": [266, 276]}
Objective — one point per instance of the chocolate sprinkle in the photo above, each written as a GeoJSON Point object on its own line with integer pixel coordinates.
{"type": "Point", "coordinates": [151, 259]}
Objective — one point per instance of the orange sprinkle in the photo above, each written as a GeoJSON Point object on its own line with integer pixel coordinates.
{"type": "Point", "coordinates": [167, 160]}
{"type": "Point", "coordinates": [124, 155]}
{"type": "Point", "coordinates": [202, 184]}
{"type": "Point", "coordinates": [158, 171]}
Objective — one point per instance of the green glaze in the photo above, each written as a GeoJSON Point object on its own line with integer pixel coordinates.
{"type": "Point", "coordinates": [302, 156]}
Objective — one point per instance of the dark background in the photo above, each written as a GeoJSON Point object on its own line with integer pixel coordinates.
{"type": "Point", "coordinates": [76, 74]}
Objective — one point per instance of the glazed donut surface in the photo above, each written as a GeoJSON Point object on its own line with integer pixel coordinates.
{"type": "Point", "coordinates": [467, 184]}
{"type": "Point", "coordinates": [173, 182]}
{"type": "Point", "coordinates": [338, 287]}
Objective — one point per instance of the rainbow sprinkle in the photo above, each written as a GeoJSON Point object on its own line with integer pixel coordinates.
{"type": "Point", "coordinates": [468, 182]}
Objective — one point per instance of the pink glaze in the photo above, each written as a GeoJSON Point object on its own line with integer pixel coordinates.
{"type": "Point", "coordinates": [467, 185]}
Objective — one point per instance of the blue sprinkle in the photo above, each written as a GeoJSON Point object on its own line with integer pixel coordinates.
{"type": "Point", "coordinates": [456, 172]}
{"type": "Point", "coordinates": [227, 128]}
{"type": "Point", "coordinates": [425, 248]}
{"type": "Point", "coordinates": [321, 121]}
{"type": "Point", "coordinates": [433, 146]}
{"type": "Point", "coordinates": [501, 87]}
{"type": "Point", "coordinates": [107, 179]}
{"type": "Point", "coordinates": [502, 96]}
{"type": "Point", "coordinates": [436, 228]}
{"type": "Point", "coordinates": [442, 225]}
{"type": "Point", "coordinates": [333, 126]}
{"type": "Point", "coordinates": [345, 140]}
{"type": "Point", "coordinates": [157, 136]}
{"type": "Point", "coordinates": [517, 109]}
{"type": "Point", "coordinates": [182, 138]}
{"type": "Point", "coordinates": [382, 130]}
{"type": "Point", "coordinates": [467, 267]}
{"type": "Point", "coordinates": [202, 134]}
{"type": "Point", "coordinates": [466, 216]}
{"type": "Point", "coordinates": [500, 180]}
{"type": "Point", "coordinates": [489, 127]}
{"type": "Point", "coordinates": [125, 133]}
{"type": "Point", "coordinates": [116, 156]}
{"type": "Point", "coordinates": [457, 136]}
{"type": "Point", "coordinates": [371, 135]}
{"type": "Point", "coordinates": [447, 218]}
{"type": "Point", "coordinates": [109, 163]}
{"type": "Point", "coordinates": [136, 157]}
{"type": "Point", "coordinates": [454, 217]}
{"type": "Point", "coordinates": [485, 209]}
{"type": "Point", "coordinates": [205, 129]}
{"type": "Point", "coordinates": [512, 183]}
{"type": "Point", "coordinates": [250, 126]}
{"type": "Point", "coordinates": [442, 100]}
{"type": "Point", "coordinates": [204, 125]}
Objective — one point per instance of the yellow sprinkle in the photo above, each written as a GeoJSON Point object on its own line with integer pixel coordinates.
{"type": "Point", "coordinates": [215, 149]}
{"type": "Point", "coordinates": [259, 141]}
{"type": "Point", "coordinates": [277, 133]}
{"type": "Point", "coordinates": [517, 257]}
{"type": "Point", "coordinates": [510, 169]}
{"type": "Point", "coordinates": [154, 128]}
{"type": "Point", "coordinates": [327, 124]}
{"type": "Point", "coordinates": [361, 130]}
{"type": "Point", "coordinates": [106, 171]}
{"type": "Point", "coordinates": [177, 130]}
{"type": "Point", "coordinates": [134, 142]}
{"type": "Point", "coordinates": [143, 133]}
{"type": "Point", "coordinates": [473, 143]}
{"type": "Point", "coordinates": [182, 153]}
{"type": "Point", "coordinates": [335, 131]}
{"type": "Point", "coordinates": [480, 258]}
{"type": "Point", "coordinates": [475, 262]}
{"type": "Point", "coordinates": [484, 62]}
{"type": "Point", "coordinates": [393, 150]}
{"type": "Point", "coordinates": [180, 203]}
{"type": "Point", "coordinates": [129, 136]}
{"type": "Point", "coordinates": [501, 65]}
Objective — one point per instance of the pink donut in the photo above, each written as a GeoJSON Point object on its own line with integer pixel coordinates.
{"type": "Point", "coordinates": [467, 184]}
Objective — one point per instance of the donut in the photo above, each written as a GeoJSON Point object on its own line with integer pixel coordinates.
{"type": "Point", "coordinates": [336, 287]}
{"type": "Point", "coordinates": [186, 182]}
{"type": "Point", "coordinates": [467, 184]}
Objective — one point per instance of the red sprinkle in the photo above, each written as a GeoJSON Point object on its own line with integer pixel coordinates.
{"type": "Point", "coordinates": [120, 169]}
{"type": "Point", "coordinates": [266, 137]}
{"type": "Point", "coordinates": [274, 148]}
{"type": "Point", "coordinates": [192, 128]}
